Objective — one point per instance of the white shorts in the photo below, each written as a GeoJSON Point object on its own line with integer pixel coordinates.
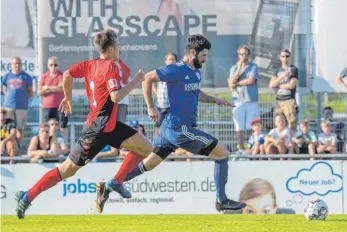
{"type": "Point", "coordinates": [244, 113]}
{"type": "Point", "coordinates": [19, 116]}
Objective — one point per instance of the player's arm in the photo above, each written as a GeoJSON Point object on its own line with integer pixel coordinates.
{"type": "Point", "coordinates": [155, 88]}
{"type": "Point", "coordinates": [204, 98]}
{"type": "Point", "coordinates": [118, 94]}
{"type": "Point", "coordinates": [67, 84]}
{"type": "Point", "coordinates": [150, 78]}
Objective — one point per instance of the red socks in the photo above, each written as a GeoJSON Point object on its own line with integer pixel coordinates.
{"type": "Point", "coordinates": [50, 179]}
{"type": "Point", "coordinates": [130, 162]}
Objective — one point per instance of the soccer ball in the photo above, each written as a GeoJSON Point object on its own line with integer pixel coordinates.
{"type": "Point", "coordinates": [316, 210]}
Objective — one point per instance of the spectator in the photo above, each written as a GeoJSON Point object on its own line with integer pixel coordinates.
{"type": "Point", "coordinates": [337, 128]}
{"type": "Point", "coordinates": [257, 139]}
{"type": "Point", "coordinates": [285, 83]}
{"type": "Point", "coordinates": [278, 140]}
{"type": "Point", "coordinates": [17, 87]}
{"type": "Point", "coordinates": [160, 90]}
{"type": "Point", "coordinates": [124, 73]}
{"type": "Point", "coordinates": [55, 132]}
{"type": "Point", "coordinates": [305, 141]}
{"type": "Point", "coordinates": [243, 84]}
{"type": "Point", "coordinates": [326, 140]}
{"type": "Point", "coordinates": [42, 145]}
{"type": "Point", "coordinates": [8, 144]}
{"type": "Point", "coordinates": [51, 91]}
{"type": "Point", "coordinates": [340, 78]}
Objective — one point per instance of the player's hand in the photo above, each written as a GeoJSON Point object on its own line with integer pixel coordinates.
{"type": "Point", "coordinates": [66, 106]}
{"type": "Point", "coordinates": [221, 102]}
{"type": "Point", "coordinates": [153, 114]}
{"type": "Point", "coordinates": [139, 76]}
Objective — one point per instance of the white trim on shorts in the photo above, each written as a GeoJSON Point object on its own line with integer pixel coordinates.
{"type": "Point", "coordinates": [191, 136]}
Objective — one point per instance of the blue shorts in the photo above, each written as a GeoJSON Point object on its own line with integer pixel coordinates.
{"type": "Point", "coordinates": [186, 137]}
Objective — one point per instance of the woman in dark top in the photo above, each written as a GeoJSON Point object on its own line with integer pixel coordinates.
{"type": "Point", "coordinates": [42, 145]}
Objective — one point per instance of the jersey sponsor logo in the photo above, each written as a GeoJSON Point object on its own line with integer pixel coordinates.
{"type": "Point", "coordinates": [112, 83]}
{"type": "Point", "coordinates": [198, 75]}
{"type": "Point", "coordinates": [192, 87]}
{"type": "Point", "coordinates": [78, 187]}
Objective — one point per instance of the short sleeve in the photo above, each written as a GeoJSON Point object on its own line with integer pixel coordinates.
{"type": "Point", "coordinates": [4, 80]}
{"type": "Point", "coordinates": [272, 132]}
{"type": "Point", "coordinates": [254, 71]}
{"type": "Point", "coordinates": [42, 80]}
{"type": "Point", "coordinates": [29, 80]}
{"type": "Point", "coordinates": [344, 73]}
{"type": "Point", "coordinates": [168, 73]}
{"type": "Point", "coordinates": [78, 70]}
{"type": "Point", "coordinates": [113, 80]}
{"type": "Point", "coordinates": [250, 141]}
{"type": "Point", "coordinates": [313, 137]}
{"type": "Point", "coordinates": [11, 125]}
{"type": "Point", "coordinates": [321, 138]}
{"type": "Point", "coordinates": [334, 139]}
{"type": "Point", "coordinates": [294, 72]}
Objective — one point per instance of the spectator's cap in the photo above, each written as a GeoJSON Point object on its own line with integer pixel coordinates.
{"type": "Point", "coordinates": [134, 123]}
{"type": "Point", "coordinates": [254, 121]}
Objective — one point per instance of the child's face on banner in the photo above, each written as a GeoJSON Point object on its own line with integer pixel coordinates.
{"type": "Point", "coordinates": [260, 205]}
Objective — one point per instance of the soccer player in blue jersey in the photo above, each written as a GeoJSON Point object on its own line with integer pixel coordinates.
{"type": "Point", "coordinates": [179, 127]}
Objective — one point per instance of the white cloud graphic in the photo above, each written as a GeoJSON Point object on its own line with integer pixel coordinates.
{"type": "Point", "coordinates": [320, 179]}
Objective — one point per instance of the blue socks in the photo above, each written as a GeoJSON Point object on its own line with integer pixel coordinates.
{"type": "Point", "coordinates": [136, 172]}
{"type": "Point", "coordinates": [221, 178]}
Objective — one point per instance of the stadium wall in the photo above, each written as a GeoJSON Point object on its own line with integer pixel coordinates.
{"type": "Point", "coordinates": [185, 188]}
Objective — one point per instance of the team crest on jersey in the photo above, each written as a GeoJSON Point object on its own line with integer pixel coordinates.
{"type": "Point", "coordinates": [112, 83]}
{"type": "Point", "coordinates": [198, 75]}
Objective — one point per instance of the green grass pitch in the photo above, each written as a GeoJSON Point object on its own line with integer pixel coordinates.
{"type": "Point", "coordinates": [172, 223]}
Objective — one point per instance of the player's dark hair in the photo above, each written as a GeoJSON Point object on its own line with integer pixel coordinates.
{"type": "Point", "coordinates": [105, 39]}
{"type": "Point", "coordinates": [198, 43]}
{"type": "Point", "coordinates": [286, 51]}
{"type": "Point", "coordinates": [171, 54]}
{"type": "Point", "coordinates": [327, 108]}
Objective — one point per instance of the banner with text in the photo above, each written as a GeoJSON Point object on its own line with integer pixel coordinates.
{"type": "Point", "coordinates": [267, 187]}
{"type": "Point", "coordinates": [151, 28]}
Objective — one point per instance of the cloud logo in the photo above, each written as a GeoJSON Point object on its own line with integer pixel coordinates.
{"type": "Point", "coordinates": [320, 179]}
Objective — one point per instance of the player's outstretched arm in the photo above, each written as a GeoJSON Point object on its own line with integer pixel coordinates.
{"type": "Point", "coordinates": [66, 104]}
{"type": "Point", "coordinates": [204, 98]}
{"type": "Point", "coordinates": [147, 93]}
{"type": "Point", "coordinates": [118, 95]}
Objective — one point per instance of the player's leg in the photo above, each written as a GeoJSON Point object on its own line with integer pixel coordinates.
{"type": "Point", "coordinates": [239, 117]}
{"type": "Point", "coordinates": [87, 147]}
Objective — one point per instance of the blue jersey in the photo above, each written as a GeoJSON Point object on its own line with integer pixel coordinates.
{"type": "Point", "coordinates": [183, 84]}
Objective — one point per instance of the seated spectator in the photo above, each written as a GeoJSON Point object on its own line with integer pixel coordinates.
{"type": "Point", "coordinates": [8, 144]}
{"type": "Point", "coordinates": [305, 141]}
{"type": "Point", "coordinates": [337, 127]}
{"type": "Point", "coordinates": [257, 139]}
{"type": "Point", "coordinates": [326, 140]}
{"type": "Point", "coordinates": [278, 139]}
{"type": "Point", "coordinates": [42, 145]}
{"type": "Point", "coordinates": [54, 131]}
{"type": "Point", "coordinates": [139, 127]}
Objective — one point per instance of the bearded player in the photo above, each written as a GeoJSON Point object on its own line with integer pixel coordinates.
{"type": "Point", "coordinates": [179, 127]}
{"type": "Point", "coordinates": [101, 128]}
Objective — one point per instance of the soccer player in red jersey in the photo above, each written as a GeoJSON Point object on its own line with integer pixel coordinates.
{"type": "Point", "coordinates": [101, 128]}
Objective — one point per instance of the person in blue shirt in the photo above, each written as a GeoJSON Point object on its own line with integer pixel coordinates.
{"type": "Point", "coordinates": [343, 75]}
{"type": "Point", "coordinates": [17, 87]}
{"type": "Point", "coordinates": [179, 127]}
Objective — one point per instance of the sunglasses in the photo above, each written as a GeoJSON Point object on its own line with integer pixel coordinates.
{"type": "Point", "coordinates": [54, 124]}
{"type": "Point", "coordinates": [45, 131]}
{"type": "Point", "coordinates": [3, 112]}
{"type": "Point", "coordinates": [55, 65]}
{"type": "Point", "coordinates": [285, 56]}
{"type": "Point", "coordinates": [17, 63]}
{"type": "Point", "coordinates": [242, 54]}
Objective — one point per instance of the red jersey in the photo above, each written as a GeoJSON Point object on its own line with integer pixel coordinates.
{"type": "Point", "coordinates": [101, 78]}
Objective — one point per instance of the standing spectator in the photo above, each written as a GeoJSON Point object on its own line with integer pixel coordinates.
{"type": "Point", "coordinates": [305, 141]}
{"type": "Point", "coordinates": [257, 139]}
{"type": "Point", "coordinates": [160, 90]}
{"type": "Point", "coordinates": [278, 139]}
{"type": "Point", "coordinates": [340, 78]}
{"type": "Point", "coordinates": [51, 91]}
{"type": "Point", "coordinates": [8, 142]}
{"type": "Point", "coordinates": [285, 83]}
{"type": "Point", "coordinates": [17, 87]}
{"type": "Point", "coordinates": [42, 145]}
{"type": "Point", "coordinates": [124, 73]}
{"type": "Point", "coordinates": [326, 140]}
{"type": "Point", "coordinates": [243, 84]}
{"type": "Point", "coordinates": [56, 133]}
